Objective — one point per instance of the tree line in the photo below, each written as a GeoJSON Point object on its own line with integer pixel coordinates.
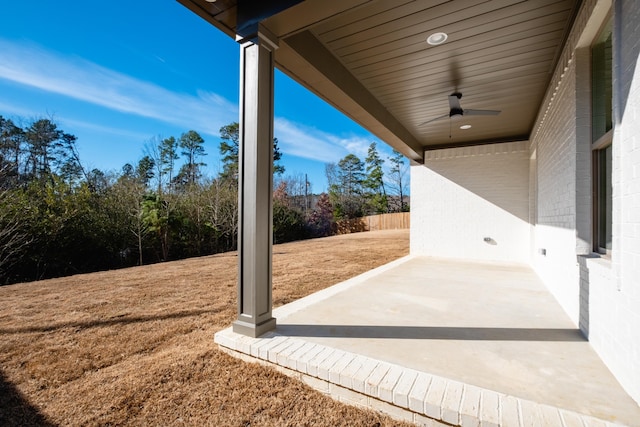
{"type": "Point", "coordinates": [59, 218]}
{"type": "Point", "coordinates": [358, 188]}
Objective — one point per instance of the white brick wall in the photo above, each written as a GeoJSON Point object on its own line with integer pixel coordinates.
{"type": "Point", "coordinates": [555, 230]}
{"type": "Point", "coordinates": [601, 295]}
{"type": "Point", "coordinates": [471, 194]}
{"type": "Point", "coordinates": [614, 287]}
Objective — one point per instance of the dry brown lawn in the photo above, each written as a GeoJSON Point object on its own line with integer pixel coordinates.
{"type": "Point", "coordinates": [135, 346]}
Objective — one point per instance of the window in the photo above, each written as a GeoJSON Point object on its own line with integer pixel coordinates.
{"type": "Point", "coordinates": [603, 206]}
{"type": "Point", "coordinates": [602, 137]}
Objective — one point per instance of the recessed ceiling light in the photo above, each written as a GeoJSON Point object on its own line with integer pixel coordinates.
{"type": "Point", "coordinates": [465, 127]}
{"type": "Point", "coordinates": [437, 38]}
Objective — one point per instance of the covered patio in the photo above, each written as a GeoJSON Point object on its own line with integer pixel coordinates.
{"type": "Point", "coordinates": [519, 119]}
{"type": "Point", "coordinates": [433, 340]}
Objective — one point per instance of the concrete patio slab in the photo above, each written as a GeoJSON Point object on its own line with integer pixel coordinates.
{"type": "Point", "coordinates": [432, 340]}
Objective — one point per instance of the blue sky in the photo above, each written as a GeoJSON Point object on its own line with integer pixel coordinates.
{"type": "Point", "coordinates": [119, 74]}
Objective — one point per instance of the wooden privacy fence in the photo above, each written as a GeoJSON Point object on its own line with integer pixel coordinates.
{"type": "Point", "coordinates": [391, 221]}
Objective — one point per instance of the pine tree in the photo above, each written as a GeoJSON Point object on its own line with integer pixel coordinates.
{"type": "Point", "coordinates": [346, 187]}
{"type": "Point", "coordinates": [168, 156]}
{"type": "Point", "coordinates": [192, 146]}
{"type": "Point", "coordinates": [229, 149]}
{"type": "Point", "coordinates": [374, 182]}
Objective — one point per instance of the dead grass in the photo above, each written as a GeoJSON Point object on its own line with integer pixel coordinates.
{"type": "Point", "coordinates": [135, 346]}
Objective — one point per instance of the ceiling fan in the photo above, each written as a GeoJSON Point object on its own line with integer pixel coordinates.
{"type": "Point", "coordinates": [456, 111]}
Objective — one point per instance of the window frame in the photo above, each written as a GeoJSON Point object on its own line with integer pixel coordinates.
{"type": "Point", "coordinates": [598, 150]}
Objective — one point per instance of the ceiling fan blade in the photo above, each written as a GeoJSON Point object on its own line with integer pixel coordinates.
{"type": "Point", "coordinates": [433, 120]}
{"type": "Point", "coordinates": [481, 112]}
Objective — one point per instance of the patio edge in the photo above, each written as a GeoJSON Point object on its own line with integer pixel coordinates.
{"type": "Point", "coordinates": [302, 303]}
{"type": "Point", "coordinates": [402, 393]}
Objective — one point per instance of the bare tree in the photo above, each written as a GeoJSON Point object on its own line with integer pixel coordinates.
{"type": "Point", "coordinates": [14, 239]}
{"type": "Point", "coordinates": [128, 195]}
{"type": "Point", "coordinates": [398, 183]}
{"type": "Point", "coordinates": [221, 199]}
{"type": "Point", "coordinates": [152, 150]}
{"type": "Point", "coordinates": [298, 190]}
{"type": "Point", "coordinates": [164, 153]}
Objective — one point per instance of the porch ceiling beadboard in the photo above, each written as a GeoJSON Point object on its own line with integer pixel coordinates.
{"type": "Point", "coordinates": [370, 59]}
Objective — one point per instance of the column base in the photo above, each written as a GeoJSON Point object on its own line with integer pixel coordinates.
{"type": "Point", "coordinates": [253, 330]}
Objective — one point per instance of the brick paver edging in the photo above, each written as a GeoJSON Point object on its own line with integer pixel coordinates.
{"type": "Point", "coordinates": [403, 393]}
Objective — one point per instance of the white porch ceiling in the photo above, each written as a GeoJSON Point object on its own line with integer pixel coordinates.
{"type": "Point", "coordinates": [370, 60]}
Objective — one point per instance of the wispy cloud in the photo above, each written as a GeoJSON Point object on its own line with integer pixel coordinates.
{"type": "Point", "coordinates": [83, 80]}
{"type": "Point", "coordinates": [206, 112]}
{"type": "Point", "coordinates": [18, 111]}
{"type": "Point", "coordinates": [310, 143]}
{"type": "Point", "coordinates": [23, 117]}
{"type": "Point", "coordinates": [136, 136]}
{"type": "Point", "coordinates": [356, 145]}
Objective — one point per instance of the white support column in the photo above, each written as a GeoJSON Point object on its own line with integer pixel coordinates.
{"type": "Point", "coordinates": [255, 235]}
